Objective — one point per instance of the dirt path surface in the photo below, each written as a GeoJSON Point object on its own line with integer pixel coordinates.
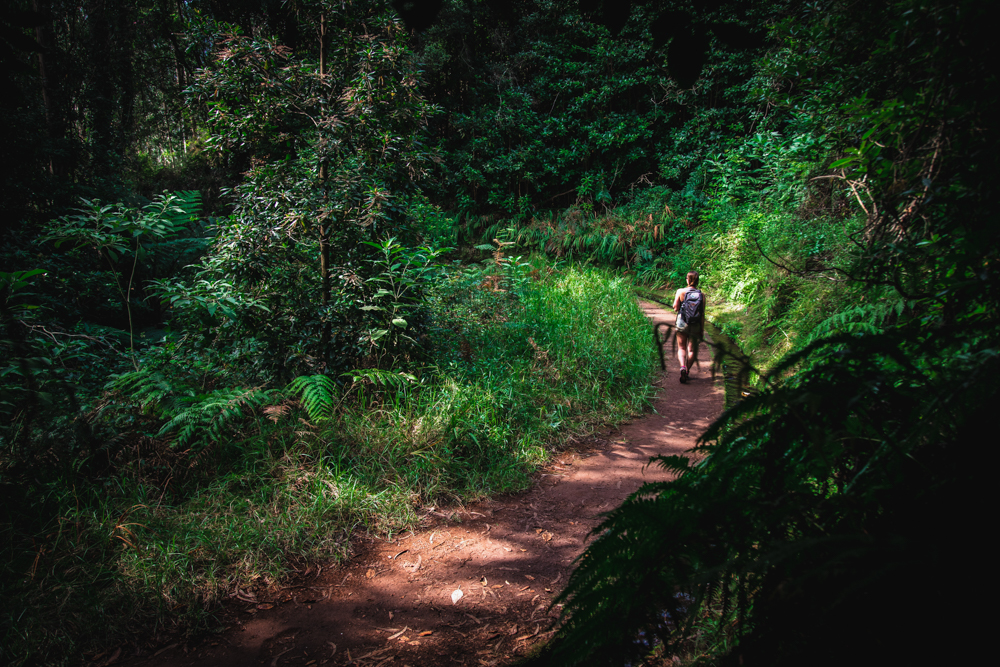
{"type": "Point", "coordinates": [470, 586]}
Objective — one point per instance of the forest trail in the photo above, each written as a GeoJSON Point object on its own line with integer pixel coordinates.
{"type": "Point", "coordinates": [392, 604]}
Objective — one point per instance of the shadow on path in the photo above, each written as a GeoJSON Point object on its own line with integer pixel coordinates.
{"type": "Point", "coordinates": [393, 604]}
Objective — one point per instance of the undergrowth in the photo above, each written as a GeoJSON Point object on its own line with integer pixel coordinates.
{"type": "Point", "coordinates": [210, 490]}
{"type": "Point", "coordinates": [777, 281]}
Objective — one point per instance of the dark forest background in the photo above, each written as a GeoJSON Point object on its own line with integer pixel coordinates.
{"type": "Point", "coordinates": [222, 219]}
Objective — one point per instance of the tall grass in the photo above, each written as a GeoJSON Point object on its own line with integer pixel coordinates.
{"type": "Point", "coordinates": [522, 357]}
{"type": "Point", "coordinates": [776, 280]}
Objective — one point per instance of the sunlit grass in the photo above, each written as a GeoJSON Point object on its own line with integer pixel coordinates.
{"type": "Point", "coordinates": [514, 373]}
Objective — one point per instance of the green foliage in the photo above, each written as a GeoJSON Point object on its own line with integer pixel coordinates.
{"type": "Point", "coordinates": [213, 415]}
{"type": "Point", "coordinates": [433, 225]}
{"type": "Point", "coordinates": [799, 527]}
{"type": "Point", "coordinates": [205, 499]}
{"type": "Point", "coordinates": [549, 107]}
{"type": "Point", "coordinates": [317, 394]}
{"type": "Point", "coordinates": [331, 133]}
{"type": "Point", "coordinates": [47, 374]}
{"type": "Point", "coordinates": [868, 318]}
{"type": "Point", "coordinates": [116, 231]}
{"type": "Point", "coordinates": [834, 190]}
{"type": "Point", "coordinates": [26, 385]}
{"type": "Point", "coordinates": [804, 506]}
{"type": "Point", "coordinates": [196, 418]}
{"type": "Point", "coordinates": [399, 277]}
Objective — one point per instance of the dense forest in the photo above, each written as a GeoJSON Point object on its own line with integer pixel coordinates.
{"type": "Point", "coordinates": [274, 272]}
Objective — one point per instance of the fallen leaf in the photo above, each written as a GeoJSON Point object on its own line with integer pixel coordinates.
{"type": "Point", "coordinates": [529, 577]}
{"type": "Point", "coordinates": [265, 606]}
{"type": "Point", "coordinates": [400, 633]}
{"type": "Point", "coordinates": [457, 595]}
{"type": "Point", "coordinates": [426, 632]}
{"type": "Point", "coordinates": [370, 573]}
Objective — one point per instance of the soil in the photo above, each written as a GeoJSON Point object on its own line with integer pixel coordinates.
{"type": "Point", "coordinates": [472, 585]}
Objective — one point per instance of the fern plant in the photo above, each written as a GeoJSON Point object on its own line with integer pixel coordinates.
{"type": "Point", "coordinates": [208, 418]}
{"type": "Point", "coordinates": [319, 392]}
{"type": "Point", "coordinates": [866, 318]}
{"type": "Point", "coordinates": [196, 418]}
{"type": "Point", "coordinates": [806, 517]}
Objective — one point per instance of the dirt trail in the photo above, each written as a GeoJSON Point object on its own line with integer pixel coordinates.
{"type": "Point", "coordinates": [393, 603]}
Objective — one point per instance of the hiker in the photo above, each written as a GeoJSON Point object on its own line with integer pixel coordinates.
{"type": "Point", "coordinates": [689, 304]}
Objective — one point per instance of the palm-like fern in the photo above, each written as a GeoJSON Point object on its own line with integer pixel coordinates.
{"type": "Point", "coordinates": [154, 390]}
{"type": "Point", "coordinates": [209, 417]}
{"type": "Point", "coordinates": [813, 501]}
{"type": "Point", "coordinates": [866, 318]}
{"type": "Point", "coordinates": [318, 393]}
{"type": "Point", "coordinates": [197, 418]}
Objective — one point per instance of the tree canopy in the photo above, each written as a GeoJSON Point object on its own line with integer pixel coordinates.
{"type": "Point", "coordinates": [219, 213]}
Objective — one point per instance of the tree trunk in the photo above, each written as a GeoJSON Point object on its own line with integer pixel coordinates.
{"type": "Point", "coordinates": [324, 227]}
{"type": "Point", "coordinates": [55, 128]}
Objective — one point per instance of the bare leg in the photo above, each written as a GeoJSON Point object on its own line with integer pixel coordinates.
{"type": "Point", "coordinates": [683, 343]}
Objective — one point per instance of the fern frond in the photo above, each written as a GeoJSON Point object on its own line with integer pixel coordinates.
{"type": "Point", "coordinates": [208, 417]}
{"type": "Point", "coordinates": [867, 318]}
{"type": "Point", "coordinates": [317, 393]}
{"type": "Point", "coordinates": [153, 390]}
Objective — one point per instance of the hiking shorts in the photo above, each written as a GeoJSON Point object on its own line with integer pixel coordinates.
{"type": "Point", "coordinates": [695, 330]}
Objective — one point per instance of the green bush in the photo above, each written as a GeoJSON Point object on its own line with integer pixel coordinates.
{"type": "Point", "coordinates": [212, 488]}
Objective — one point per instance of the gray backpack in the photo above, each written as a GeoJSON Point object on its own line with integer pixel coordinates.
{"type": "Point", "coordinates": [693, 306]}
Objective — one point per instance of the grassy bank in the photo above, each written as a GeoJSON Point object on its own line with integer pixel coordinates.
{"type": "Point", "coordinates": [520, 357]}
